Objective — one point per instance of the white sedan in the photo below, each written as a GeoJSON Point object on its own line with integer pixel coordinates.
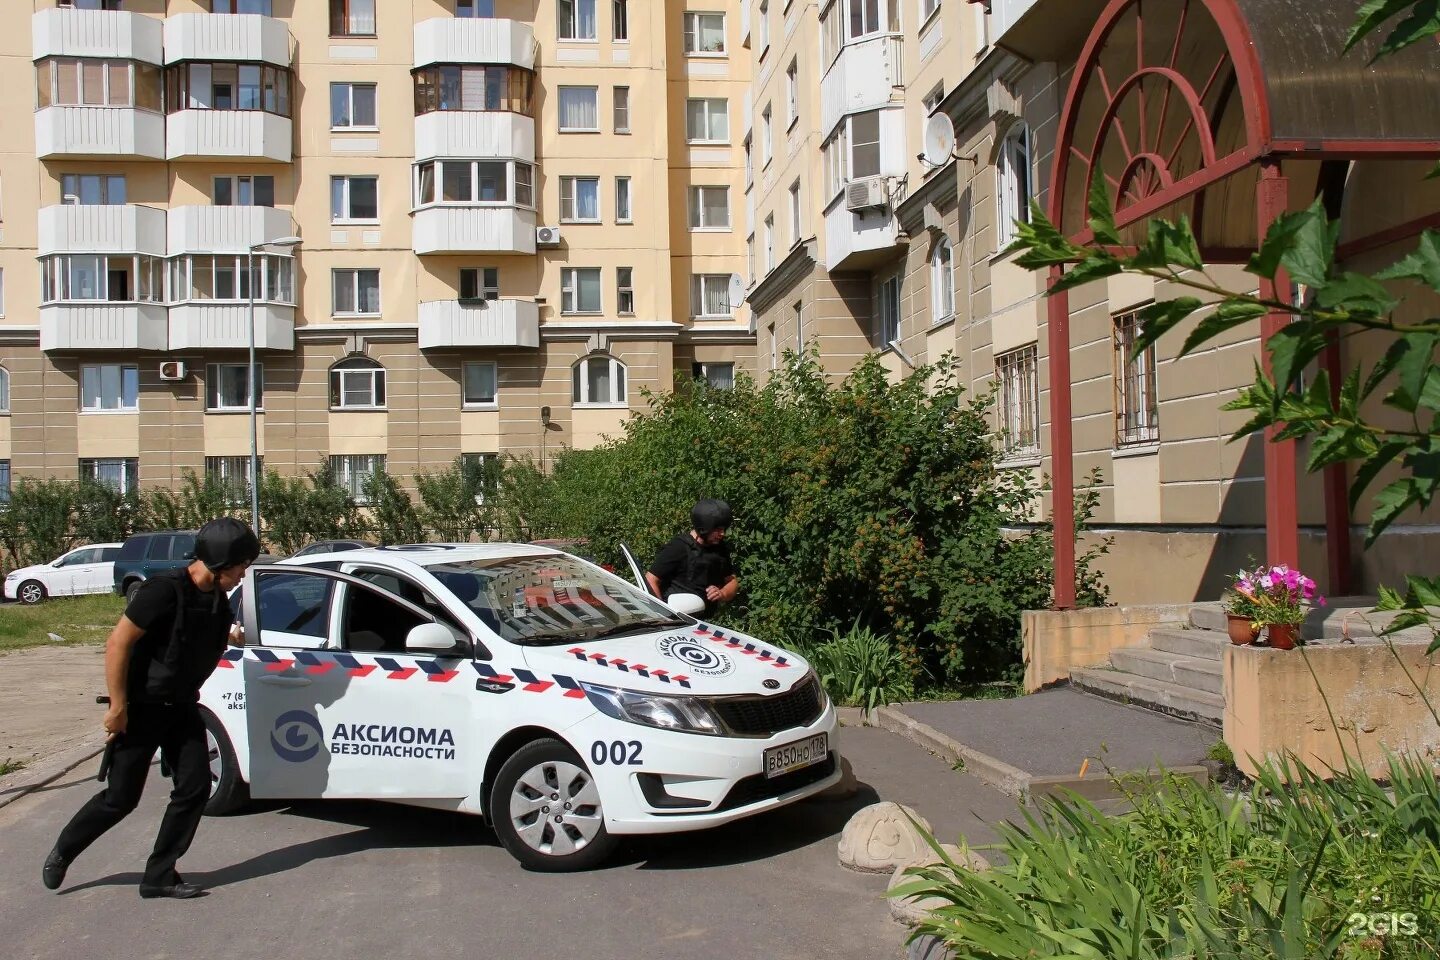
{"type": "Point", "coordinates": [87, 569]}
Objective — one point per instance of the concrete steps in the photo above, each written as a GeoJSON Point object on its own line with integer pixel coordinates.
{"type": "Point", "coordinates": [1201, 673]}
{"type": "Point", "coordinates": [1196, 644]}
{"type": "Point", "coordinates": [1169, 697]}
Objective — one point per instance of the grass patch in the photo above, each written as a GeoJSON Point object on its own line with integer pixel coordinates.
{"type": "Point", "coordinates": [10, 766]}
{"type": "Point", "coordinates": [79, 620]}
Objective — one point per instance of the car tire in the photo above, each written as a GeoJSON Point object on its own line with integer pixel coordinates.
{"type": "Point", "coordinates": [31, 592]}
{"type": "Point", "coordinates": [132, 588]}
{"type": "Point", "coordinates": [228, 792]}
{"type": "Point", "coordinates": [525, 819]}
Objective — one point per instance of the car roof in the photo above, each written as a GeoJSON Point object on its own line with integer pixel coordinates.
{"type": "Point", "coordinates": [430, 554]}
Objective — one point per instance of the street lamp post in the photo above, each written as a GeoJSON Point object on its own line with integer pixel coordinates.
{"type": "Point", "coordinates": [250, 374]}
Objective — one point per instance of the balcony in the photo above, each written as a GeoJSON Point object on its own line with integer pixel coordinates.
{"type": "Point", "coordinates": [228, 135]}
{"type": "Point", "coordinates": [224, 229]}
{"type": "Point", "coordinates": [245, 38]}
{"type": "Point", "coordinates": [103, 326]}
{"type": "Point", "coordinates": [474, 229]}
{"type": "Point", "coordinates": [222, 325]}
{"type": "Point", "coordinates": [127, 228]}
{"type": "Point", "coordinates": [1043, 29]}
{"type": "Point", "coordinates": [111, 34]}
{"type": "Point", "coordinates": [447, 324]}
{"type": "Point", "coordinates": [863, 77]}
{"type": "Point", "coordinates": [466, 40]}
{"type": "Point", "coordinates": [467, 134]}
{"type": "Point", "coordinates": [856, 240]}
{"type": "Point", "coordinates": [99, 133]}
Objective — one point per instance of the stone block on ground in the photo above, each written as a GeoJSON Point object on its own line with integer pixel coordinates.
{"type": "Point", "coordinates": [911, 912]}
{"type": "Point", "coordinates": [880, 837]}
{"type": "Point", "coordinates": [927, 947]}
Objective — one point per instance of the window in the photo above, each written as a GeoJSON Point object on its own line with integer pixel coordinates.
{"type": "Point", "coordinates": [865, 145]}
{"type": "Point", "coordinates": [524, 174]}
{"type": "Point", "coordinates": [227, 386]}
{"type": "Point", "coordinates": [356, 293]}
{"type": "Point", "coordinates": [1137, 412]}
{"type": "Point", "coordinates": [598, 380]}
{"type": "Point", "coordinates": [873, 16]}
{"type": "Point", "coordinates": [357, 382]}
{"type": "Point", "coordinates": [91, 4]}
{"type": "Point", "coordinates": [352, 473]}
{"type": "Point", "coordinates": [622, 200]}
{"type": "Point", "coordinates": [770, 243]}
{"type": "Point", "coordinates": [794, 213]}
{"type": "Point", "coordinates": [832, 34]}
{"type": "Point", "coordinates": [575, 19]}
{"type": "Point", "coordinates": [121, 474]}
{"type": "Point", "coordinates": [774, 347]}
{"type": "Point", "coordinates": [835, 154]}
{"type": "Point", "coordinates": [116, 278]}
{"type": "Point", "coordinates": [65, 82]}
{"type": "Point", "coordinates": [621, 96]}
{"type": "Point", "coordinates": [4, 390]}
{"type": "Point", "coordinates": [767, 141]}
{"type": "Point", "coordinates": [580, 199]}
{"type": "Point", "coordinates": [477, 88]}
{"type": "Point", "coordinates": [749, 161]}
{"type": "Point", "coordinates": [479, 378]}
{"type": "Point", "coordinates": [625, 291]}
{"type": "Point", "coordinates": [244, 191]}
{"type": "Point", "coordinates": [1019, 401]}
{"type": "Point", "coordinates": [4, 481]}
{"type": "Point", "coordinates": [707, 120]}
{"type": "Point", "coordinates": [479, 283]}
{"type": "Point", "coordinates": [763, 27]}
{"type": "Point", "coordinates": [710, 295]}
{"type": "Point", "coordinates": [720, 376]}
{"type": "Point", "coordinates": [93, 189]}
{"type": "Point", "coordinates": [1014, 174]}
{"type": "Point", "coordinates": [750, 258]}
{"type": "Point", "coordinates": [260, 7]}
{"type": "Point", "coordinates": [233, 475]}
{"type": "Point", "coordinates": [928, 7]}
{"type": "Point", "coordinates": [227, 86]}
{"type": "Point", "coordinates": [792, 93]}
{"type": "Point", "coordinates": [704, 32]}
{"type": "Point", "coordinates": [982, 28]}
{"type": "Point", "coordinates": [620, 20]}
{"type": "Point", "coordinates": [352, 105]}
{"type": "Point", "coordinates": [476, 9]}
{"type": "Point", "coordinates": [931, 100]}
{"type": "Point", "coordinates": [352, 18]}
{"type": "Point", "coordinates": [223, 277]}
{"type": "Point", "coordinates": [709, 208]}
{"type": "Point", "coordinates": [354, 199]}
{"type": "Point", "coordinates": [580, 290]}
{"type": "Point", "coordinates": [578, 110]}
{"type": "Point", "coordinates": [942, 281]}
{"type": "Point", "coordinates": [473, 181]}
{"type": "Point", "coordinates": [887, 312]}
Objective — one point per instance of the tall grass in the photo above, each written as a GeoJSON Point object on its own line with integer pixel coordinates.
{"type": "Point", "coordinates": [860, 668]}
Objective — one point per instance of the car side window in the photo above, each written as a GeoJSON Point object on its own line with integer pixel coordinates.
{"type": "Point", "coordinates": [293, 609]}
{"type": "Point", "coordinates": [406, 590]}
{"type": "Point", "coordinates": [182, 546]}
{"type": "Point", "coordinates": [108, 554]}
{"type": "Point", "coordinates": [89, 555]}
{"type": "Point", "coordinates": [373, 622]}
{"type": "Point", "coordinates": [159, 548]}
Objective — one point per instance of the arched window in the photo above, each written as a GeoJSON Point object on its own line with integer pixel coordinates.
{"type": "Point", "coordinates": [1013, 169]}
{"type": "Point", "coordinates": [4, 390]}
{"type": "Point", "coordinates": [942, 280]}
{"type": "Point", "coordinates": [357, 383]}
{"type": "Point", "coordinates": [597, 380]}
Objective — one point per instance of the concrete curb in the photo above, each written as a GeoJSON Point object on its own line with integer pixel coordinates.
{"type": "Point", "coordinates": [49, 769]}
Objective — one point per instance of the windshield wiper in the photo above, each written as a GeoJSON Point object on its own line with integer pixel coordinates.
{"type": "Point", "coordinates": [635, 625]}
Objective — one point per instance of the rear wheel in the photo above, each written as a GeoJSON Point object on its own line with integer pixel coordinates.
{"type": "Point", "coordinates": [228, 792]}
{"type": "Point", "coordinates": [545, 808]}
{"type": "Point", "coordinates": [31, 591]}
{"type": "Point", "coordinates": [132, 588]}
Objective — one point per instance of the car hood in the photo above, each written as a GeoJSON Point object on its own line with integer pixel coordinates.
{"type": "Point", "coordinates": [698, 659]}
{"type": "Point", "coordinates": [34, 570]}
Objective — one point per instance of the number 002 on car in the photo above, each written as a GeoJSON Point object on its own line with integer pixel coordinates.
{"type": "Point", "coordinates": [793, 756]}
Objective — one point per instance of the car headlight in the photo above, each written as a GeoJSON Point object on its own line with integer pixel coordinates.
{"type": "Point", "coordinates": [12, 576]}
{"type": "Point", "coordinates": [684, 714]}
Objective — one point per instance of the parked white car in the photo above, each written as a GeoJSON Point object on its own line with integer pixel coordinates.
{"type": "Point", "coordinates": [528, 686]}
{"type": "Point", "coordinates": [87, 569]}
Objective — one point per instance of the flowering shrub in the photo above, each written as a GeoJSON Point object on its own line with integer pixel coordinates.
{"type": "Point", "coordinates": [1273, 595]}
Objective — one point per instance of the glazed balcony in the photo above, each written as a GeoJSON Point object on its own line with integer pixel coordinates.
{"type": "Point", "coordinates": [122, 228]}
{"type": "Point", "coordinates": [460, 228]}
{"type": "Point", "coordinates": [227, 37]}
{"type": "Point", "coordinates": [467, 40]}
{"type": "Point", "coordinates": [507, 322]}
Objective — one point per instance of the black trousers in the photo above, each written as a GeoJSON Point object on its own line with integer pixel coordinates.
{"type": "Point", "coordinates": [179, 734]}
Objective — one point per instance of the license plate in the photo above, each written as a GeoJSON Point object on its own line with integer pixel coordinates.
{"type": "Point", "coordinates": [793, 756]}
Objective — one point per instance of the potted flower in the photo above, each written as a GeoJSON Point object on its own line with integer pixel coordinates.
{"type": "Point", "coordinates": [1281, 598]}
{"type": "Point", "coordinates": [1240, 609]}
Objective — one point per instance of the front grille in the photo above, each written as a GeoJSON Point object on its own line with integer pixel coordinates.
{"type": "Point", "coordinates": [767, 716]}
{"type": "Point", "coordinates": [759, 787]}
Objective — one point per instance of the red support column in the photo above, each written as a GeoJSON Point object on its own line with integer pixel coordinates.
{"type": "Point", "coordinates": [1282, 522]}
{"type": "Point", "coordinates": [1062, 446]}
{"type": "Point", "coordinates": [1337, 498]}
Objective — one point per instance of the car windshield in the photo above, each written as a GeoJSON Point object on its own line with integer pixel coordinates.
{"type": "Point", "coordinates": [539, 601]}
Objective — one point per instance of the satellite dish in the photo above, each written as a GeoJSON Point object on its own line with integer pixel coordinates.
{"type": "Point", "coordinates": [736, 290]}
{"type": "Point", "coordinates": [939, 140]}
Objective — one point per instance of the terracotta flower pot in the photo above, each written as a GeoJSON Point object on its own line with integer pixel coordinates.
{"type": "Point", "coordinates": [1283, 636]}
{"type": "Point", "coordinates": [1242, 630]}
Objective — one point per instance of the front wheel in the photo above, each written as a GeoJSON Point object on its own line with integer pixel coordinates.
{"type": "Point", "coordinates": [545, 808]}
{"type": "Point", "coordinates": [31, 591]}
{"type": "Point", "coordinates": [228, 792]}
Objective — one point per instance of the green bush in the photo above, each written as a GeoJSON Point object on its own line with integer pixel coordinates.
{"type": "Point", "coordinates": [860, 668]}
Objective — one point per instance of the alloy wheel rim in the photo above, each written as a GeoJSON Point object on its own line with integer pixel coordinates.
{"type": "Point", "coordinates": [555, 808]}
{"type": "Point", "coordinates": [212, 747]}
{"type": "Point", "coordinates": [31, 594]}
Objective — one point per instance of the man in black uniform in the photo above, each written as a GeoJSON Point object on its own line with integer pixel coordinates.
{"type": "Point", "coordinates": [166, 644]}
{"type": "Point", "coordinates": [698, 562]}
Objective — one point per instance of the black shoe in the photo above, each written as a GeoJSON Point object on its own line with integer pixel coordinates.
{"type": "Point", "coordinates": [53, 873]}
{"type": "Point", "coordinates": [175, 891]}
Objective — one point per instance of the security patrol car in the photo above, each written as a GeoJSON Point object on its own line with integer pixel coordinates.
{"type": "Point", "coordinates": [517, 682]}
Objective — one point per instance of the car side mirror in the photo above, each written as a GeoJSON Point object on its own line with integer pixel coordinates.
{"type": "Point", "coordinates": [436, 638]}
{"type": "Point", "coordinates": [688, 603]}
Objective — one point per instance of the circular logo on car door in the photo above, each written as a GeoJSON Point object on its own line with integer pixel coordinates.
{"type": "Point", "coordinates": [699, 660]}
{"type": "Point", "coordinates": [297, 736]}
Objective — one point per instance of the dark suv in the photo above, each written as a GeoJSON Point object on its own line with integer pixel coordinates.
{"type": "Point", "coordinates": [146, 554]}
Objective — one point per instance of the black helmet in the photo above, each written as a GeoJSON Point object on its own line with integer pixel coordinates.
{"type": "Point", "coordinates": [224, 542]}
{"type": "Point", "coordinates": [710, 515]}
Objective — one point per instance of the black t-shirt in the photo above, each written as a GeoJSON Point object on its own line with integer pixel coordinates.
{"type": "Point", "coordinates": [684, 566]}
{"type": "Point", "coordinates": [160, 672]}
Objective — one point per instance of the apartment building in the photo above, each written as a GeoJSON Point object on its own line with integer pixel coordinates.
{"type": "Point", "coordinates": [500, 222]}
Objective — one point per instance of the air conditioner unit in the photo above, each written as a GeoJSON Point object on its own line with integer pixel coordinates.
{"type": "Point", "coordinates": [70, 200]}
{"type": "Point", "coordinates": [547, 236]}
{"type": "Point", "coordinates": [172, 370]}
{"type": "Point", "coordinates": [863, 194]}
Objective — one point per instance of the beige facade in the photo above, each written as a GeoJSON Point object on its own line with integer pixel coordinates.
{"type": "Point", "coordinates": [415, 270]}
